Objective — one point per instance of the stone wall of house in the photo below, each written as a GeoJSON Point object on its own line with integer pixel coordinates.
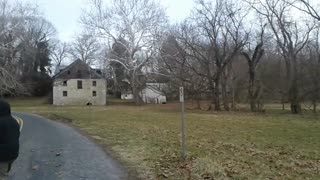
{"type": "Point", "coordinates": [66, 92]}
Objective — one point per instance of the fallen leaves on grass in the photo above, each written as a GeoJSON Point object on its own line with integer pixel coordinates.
{"type": "Point", "coordinates": [219, 145]}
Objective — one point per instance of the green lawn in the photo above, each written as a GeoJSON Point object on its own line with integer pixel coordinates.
{"type": "Point", "coordinates": [274, 145]}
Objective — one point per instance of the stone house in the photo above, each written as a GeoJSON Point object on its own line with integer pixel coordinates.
{"type": "Point", "coordinates": [79, 84]}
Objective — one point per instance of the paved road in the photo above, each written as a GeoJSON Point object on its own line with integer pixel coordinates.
{"type": "Point", "coordinates": [53, 151]}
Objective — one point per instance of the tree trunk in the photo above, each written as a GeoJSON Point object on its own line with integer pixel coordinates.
{"type": "Point", "coordinates": [198, 104]}
{"type": "Point", "coordinates": [233, 104]}
{"type": "Point", "coordinates": [225, 97]}
{"type": "Point", "coordinates": [211, 95]}
{"type": "Point", "coordinates": [198, 101]}
{"type": "Point", "coordinates": [295, 108]}
{"type": "Point", "coordinates": [217, 101]}
{"type": "Point", "coordinates": [216, 94]}
{"type": "Point", "coordinates": [314, 106]}
{"type": "Point", "coordinates": [136, 96]}
{"type": "Point", "coordinates": [192, 100]}
{"type": "Point", "coordinates": [292, 83]}
{"type": "Point", "coordinates": [294, 99]}
{"type": "Point", "coordinates": [252, 98]}
{"type": "Point", "coordinates": [293, 87]}
{"type": "Point", "coordinates": [253, 105]}
{"type": "Point", "coordinates": [135, 90]}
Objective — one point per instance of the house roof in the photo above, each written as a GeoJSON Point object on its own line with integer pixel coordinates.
{"type": "Point", "coordinates": [59, 69]}
{"type": "Point", "coordinates": [156, 87]}
{"type": "Point", "coordinates": [76, 62]}
{"type": "Point", "coordinates": [155, 78]}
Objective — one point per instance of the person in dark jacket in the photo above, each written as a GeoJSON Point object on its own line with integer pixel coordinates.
{"type": "Point", "coordinates": [9, 138]}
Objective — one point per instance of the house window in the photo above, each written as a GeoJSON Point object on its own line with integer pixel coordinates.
{"type": "Point", "coordinates": [79, 84]}
{"type": "Point", "coordinates": [65, 83]}
{"type": "Point", "coordinates": [65, 93]}
{"type": "Point", "coordinates": [94, 93]}
{"type": "Point", "coordinates": [94, 83]}
{"type": "Point", "coordinates": [69, 72]}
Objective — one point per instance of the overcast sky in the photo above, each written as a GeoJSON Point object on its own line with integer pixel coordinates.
{"type": "Point", "coordinates": [65, 14]}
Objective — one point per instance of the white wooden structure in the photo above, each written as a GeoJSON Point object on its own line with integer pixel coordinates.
{"type": "Point", "coordinates": [152, 93]}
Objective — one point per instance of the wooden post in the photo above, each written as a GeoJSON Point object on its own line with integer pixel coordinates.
{"type": "Point", "coordinates": [181, 90]}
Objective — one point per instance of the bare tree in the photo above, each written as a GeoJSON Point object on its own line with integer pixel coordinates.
{"type": "Point", "coordinates": [253, 58]}
{"type": "Point", "coordinates": [120, 76]}
{"type": "Point", "coordinates": [315, 73]}
{"type": "Point", "coordinates": [86, 48]}
{"type": "Point", "coordinates": [291, 37]}
{"type": "Point", "coordinates": [307, 7]}
{"type": "Point", "coordinates": [36, 38]}
{"type": "Point", "coordinates": [200, 50]}
{"type": "Point", "coordinates": [213, 37]}
{"type": "Point", "coordinates": [138, 22]}
{"type": "Point", "coordinates": [9, 84]}
{"type": "Point", "coordinates": [310, 9]}
{"type": "Point", "coordinates": [310, 65]}
{"type": "Point", "coordinates": [176, 64]}
{"type": "Point", "coordinates": [13, 17]}
{"type": "Point", "coordinates": [60, 52]}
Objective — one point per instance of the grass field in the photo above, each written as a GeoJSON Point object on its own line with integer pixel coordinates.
{"type": "Point", "coordinates": [273, 145]}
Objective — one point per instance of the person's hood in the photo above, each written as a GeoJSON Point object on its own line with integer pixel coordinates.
{"type": "Point", "coordinates": [5, 109]}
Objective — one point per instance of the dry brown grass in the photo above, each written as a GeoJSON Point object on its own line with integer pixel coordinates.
{"type": "Point", "coordinates": [274, 145]}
